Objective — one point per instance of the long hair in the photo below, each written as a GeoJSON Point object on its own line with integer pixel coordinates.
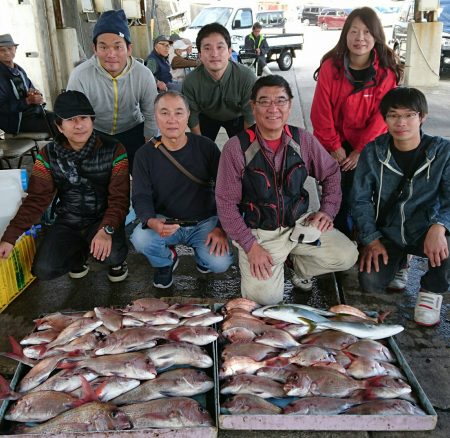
{"type": "Point", "coordinates": [387, 57]}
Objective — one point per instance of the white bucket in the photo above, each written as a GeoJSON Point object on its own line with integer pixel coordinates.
{"type": "Point", "coordinates": [13, 182]}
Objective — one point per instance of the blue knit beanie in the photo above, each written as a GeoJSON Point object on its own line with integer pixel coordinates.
{"type": "Point", "coordinates": [112, 22]}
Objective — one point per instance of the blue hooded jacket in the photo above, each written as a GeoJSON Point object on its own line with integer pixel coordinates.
{"type": "Point", "coordinates": [426, 200]}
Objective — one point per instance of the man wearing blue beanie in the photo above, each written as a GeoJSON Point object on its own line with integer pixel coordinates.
{"type": "Point", "coordinates": [120, 88]}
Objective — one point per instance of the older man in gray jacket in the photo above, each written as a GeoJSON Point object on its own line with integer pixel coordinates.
{"type": "Point", "coordinates": [121, 89]}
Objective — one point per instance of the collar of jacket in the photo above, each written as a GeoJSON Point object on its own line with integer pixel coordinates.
{"type": "Point", "coordinates": [371, 80]}
{"type": "Point", "coordinates": [383, 141]}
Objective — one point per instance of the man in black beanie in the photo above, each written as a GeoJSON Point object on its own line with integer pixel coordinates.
{"type": "Point", "coordinates": [89, 175]}
{"type": "Point", "coordinates": [120, 88]}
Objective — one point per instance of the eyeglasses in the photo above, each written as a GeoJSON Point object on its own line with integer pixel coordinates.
{"type": "Point", "coordinates": [279, 101]}
{"type": "Point", "coordinates": [398, 117]}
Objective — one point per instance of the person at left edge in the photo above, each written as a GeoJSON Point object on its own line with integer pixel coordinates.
{"type": "Point", "coordinates": [21, 105]}
{"type": "Point", "coordinates": [162, 192]}
{"type": "Point", "coordinates": [89, 175]}
{"type": "Point", "coordinates": [120, 88]}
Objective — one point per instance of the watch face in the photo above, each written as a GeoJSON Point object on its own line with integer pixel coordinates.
{"type": "Point", "coordinates": [108, 229]}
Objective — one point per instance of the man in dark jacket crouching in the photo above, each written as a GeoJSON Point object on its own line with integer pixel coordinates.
{"type": "Point", "coordinates": [88, 174]}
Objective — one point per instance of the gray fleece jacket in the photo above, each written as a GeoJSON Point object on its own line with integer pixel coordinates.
{"type": "Point", "coordinates": [119, 103]}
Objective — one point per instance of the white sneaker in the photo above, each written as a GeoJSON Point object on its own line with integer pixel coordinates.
{"type": "Point", "coordinates": [400, 280]}
{"type": "Point", "coordinates": [428, 308]}
{"type": "Point", "coordinates": [305, 284]}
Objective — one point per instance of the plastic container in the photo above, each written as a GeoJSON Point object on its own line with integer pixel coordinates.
{"type": "Point", "coordinates": [15, 272]}
{"type": "Point", "coordinates": [13, 183]}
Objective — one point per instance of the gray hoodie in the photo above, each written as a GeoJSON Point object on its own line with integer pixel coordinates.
{"type": "Point", "coordinates": [119, 103]}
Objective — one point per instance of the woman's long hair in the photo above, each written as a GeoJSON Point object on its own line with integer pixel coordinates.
{"type": "Point", "coordinates": [387, 57]}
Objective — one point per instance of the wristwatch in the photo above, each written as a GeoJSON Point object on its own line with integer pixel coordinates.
{"type": "Point", "coordinates": [108, 229]}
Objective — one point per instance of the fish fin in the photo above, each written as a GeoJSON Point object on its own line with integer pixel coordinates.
{"type": "Point", "coordinates": [351, 356]}
{"type": "Point", "coordinates": [277, 362]}
{"type": "Point", "coordinates": [173, 335]}
{"type": "Point", "coordinates": [42, 349]}
{"type": "Point", "coordinates": [6, 393]}
{"type": "Point", "coordinates": [375, 382]}
{"type": "Point", "coordinates": [383, 315]}
{"type": "Point", "coordinates": [66, 365]}
{"type": "Point", "coordinates": [88, 394]}
{"type": "Point", "coordinates": [17, 353]}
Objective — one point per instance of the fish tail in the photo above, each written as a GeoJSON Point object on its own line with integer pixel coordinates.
{"type": "Point", "coordinates": [5, 390]}
{"type": "Point", "coordinates": [17, 353]}
{"type": "Point", "coordinates": [88, 394]}
{"type": "Point", "coordinates": [277, 362]}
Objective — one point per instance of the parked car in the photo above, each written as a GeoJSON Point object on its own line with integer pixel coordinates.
{"type": "Point", "coordinates": [388, 15]}
{"type": "Point", "coordinates": [310, 14]}
{"type": "Point", "coordinates": [332, 18]}
{"type": "Point", "coordinates": [273, 22]}
{"type": "Point", "coordinates": [399, 32]}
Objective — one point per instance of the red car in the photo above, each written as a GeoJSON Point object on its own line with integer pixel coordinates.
{"type": "Point", "coordinates": [332, 18]}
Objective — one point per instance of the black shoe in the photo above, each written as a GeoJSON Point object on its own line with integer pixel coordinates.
{"type": "Point", "coordinates": [118, 273]}
{"type": "Point", "coordinates": [162, 278]}
{"type": "Point", "coordinates": [80, 272]}
{"type": "Point", "coordinates": [202, 269]}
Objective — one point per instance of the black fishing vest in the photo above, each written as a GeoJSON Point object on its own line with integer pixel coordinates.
{"type": "Point", "coordinates": [83, 204]}
{"type": "Point", "coordinates": [269, 199]}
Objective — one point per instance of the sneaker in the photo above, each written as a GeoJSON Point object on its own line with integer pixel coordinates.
{"type": "Point", "coordinates": [428, 308]}
{"type": "Point", "coordinates": [162, 278]}
{"type": "Point", "coordinates": [399, 281]}
{"type": "Point", "coordinates": [305, 284]}
{"type": "Point", "coordinates": [118, 273]}
{"type": "Point", "coordinates": [202, 269]}
{"type": "Point", "coordinates": [79, 272]}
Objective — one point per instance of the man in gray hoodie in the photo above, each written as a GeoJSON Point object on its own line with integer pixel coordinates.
{"type": "Point", "coordinates": [120, 88]}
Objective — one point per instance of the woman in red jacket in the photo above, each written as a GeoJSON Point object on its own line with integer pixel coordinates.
{"type": "Point", "coordinates": [352, 79]}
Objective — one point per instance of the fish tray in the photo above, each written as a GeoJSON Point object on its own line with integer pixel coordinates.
{"type": "Point", "coordinates": [339, 422]}
{"type": "Point", "coordinates": [15, 271]}
{"type": "Point", "coordinates": [208, 401]}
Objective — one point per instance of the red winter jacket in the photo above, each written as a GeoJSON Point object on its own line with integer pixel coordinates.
{"type": "Point", "coordinates": [339, 114]}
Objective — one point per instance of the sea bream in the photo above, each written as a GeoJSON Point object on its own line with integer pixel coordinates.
{"type": "Point", "coordinates": [319, 406]}
{"type": "Point", "coordinates": [254, 351]}
{"type": "Point", "coordinates": [371, 349]}
{"type": "Point", "coordinates": [90, 417]}
{"type": "Point", "coordinates": [112, 319]}
{"type": "Point", "coordinates": [108, 388]}
{"type": "Point", "coordinates": [386, 407]}
{"type": "Point", "coordinates": [174, 383]}
{"type": "Point", "coordinates": [147, 304]}
{"type": "Point", "coordinates": [40, 337]}
{"type": "Point", "coordinates": [254, 385]}
{"type": "Point", "coordinates": [330, 339]}
{"type": "Point", "coordinates": [132, 365]}
{"type": "Point", "coordinates": [66, 380]}
{"type": "Point", "coordinates": [76, 329]}
{"type": "Point", "coordinates": [188, 310]}
{"type": "Point", "coordinates": [178, 353]}
{"type": "Point", "coordinates": [196, 335]}
{"type": "Point", "coordinates": [171, 412]}
{"type": "Point", "coordinates": [247, 404]}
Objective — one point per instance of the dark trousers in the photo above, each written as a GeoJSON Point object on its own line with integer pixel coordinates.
{"type": "Point", "coordinates": [343, 221]}
{"type": "Point", "coordinates": [132, 139]}
{"type": "Point", "coordinates": [64, 249]}
{"type": "Point", "coordinates": [210, 127]}
{"type": "Point", "coordinates": [37, 122]}
{"type": "Point", "coordinates": [435, 280]}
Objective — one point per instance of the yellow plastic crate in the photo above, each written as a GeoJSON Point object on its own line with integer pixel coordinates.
{"type": "Point", "coordinates": [15, 272]}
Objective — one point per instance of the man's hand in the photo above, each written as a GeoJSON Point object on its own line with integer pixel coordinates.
{"type": "Point", "coordinates": [435, 245]}
{"type": "Point", "coordinates": [101, 245]}
{"type": "Point", "coordinates": [260, 262]}
{"type": "Point", "coordinates": [218, 241]}
{"type": "Point", "coordinates": [163, 229]}
{"type": "Point", "coordinates": [350, 162]}
{"type": "Point", "coordinates": [5, 249]}
{"type": "Point", "coordinates": [34, 97]}
{"type": "Point", "coordinates": [321, 221]}
{"type": "Point", "coordinates": [339, 155]}
{"type": "Point", "coordinates": [161, 86]}
{"type": "Point", "coordinates": [370, 255]}
{"type": "Point", "coordinates": [258, 51]}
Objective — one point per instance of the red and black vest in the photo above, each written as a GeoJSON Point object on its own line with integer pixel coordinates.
{"type": "Point", "coordinates": [272, 199]}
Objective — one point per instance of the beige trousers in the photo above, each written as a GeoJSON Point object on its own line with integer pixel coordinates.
{"type": "Point", "coordinates": [336, 253]}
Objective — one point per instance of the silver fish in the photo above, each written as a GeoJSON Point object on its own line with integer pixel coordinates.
{"type": "Point", "coordinates": [108, 388]}
{"type": "Point", "coordinates": [154, 318]}
{"type": "Point", "coordinates": [247, 404]}
{"type": "Point", "coordinates": [132, 365]}
{"type": "Point", "coordinates": [293, 314]}
{"type": "Point", "coordinates": [65, 380]}
{"type": "Point", "coordinates": [171, 412]}
{"type": "Point", "coordinates": [40, 406]}
{"type": "Point", "coordinates": [174, 383]}
{"type": "Point", "coordinates": [204, 320]}
{"type": "Point", "coordinates": [385, 407]}
{"type": "Point", "coordinates": [196, 335]}
{"type": "Point", "coordinates": [90, 417]}
{"type": "Point", "coordinates": [364, 330]}
{"type": "Point", "coordinates": [129, 339]}
{"type": "Point", "coordinates": [76, 329]}
{"type": "Point", "coordinates": [178, 353]}
{"type": "Point", "coordinates": [319, 406]}
{"type": "Point", "coordinates": [254, 385]}
{"type": "Point", "coordinates": [188, 310]}
{"type": "Point", "coordinates": [112, 319]}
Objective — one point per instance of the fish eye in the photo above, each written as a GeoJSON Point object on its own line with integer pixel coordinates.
{"type": "Point", "coordinates": [114, 414]}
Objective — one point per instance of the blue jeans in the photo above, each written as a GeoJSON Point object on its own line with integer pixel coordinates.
{"type": "Point", "coordinates": [156, 248]}
{"type": "Point", "coordinates": [435, 280]}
